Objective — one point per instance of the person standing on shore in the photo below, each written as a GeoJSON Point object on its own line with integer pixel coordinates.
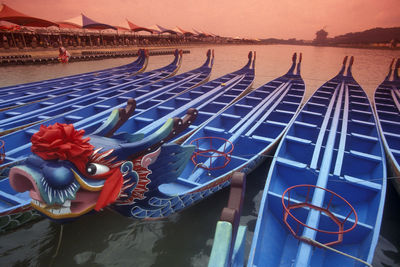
{"type": "Point", "coordinates": [64, 55]}
{"type": "Point", "coordinates": [5, 42]}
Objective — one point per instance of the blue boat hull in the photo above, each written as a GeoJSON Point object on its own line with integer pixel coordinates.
{"type": "Point", "coordinates": [387, 107]}
{"type": "Point", "coordinates": [254, 133]}
{"type": "Point", "coordinates": [13, 203]}
{"type": "Point", "coordinates": [334, 144]}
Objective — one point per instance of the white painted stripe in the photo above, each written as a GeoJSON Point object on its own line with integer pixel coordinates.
{"type": "Point", "coordinates": [343, 134]}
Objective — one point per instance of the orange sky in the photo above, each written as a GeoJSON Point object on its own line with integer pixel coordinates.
{"type": "Point", "coordinates": [245, 18]}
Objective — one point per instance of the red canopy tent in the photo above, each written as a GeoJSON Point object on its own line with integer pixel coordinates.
{"type": "Point", "coordinates": [13, 16]}
{"type": "Point", "coordinates": [136, 28]}
{"type": "Point", "coordinates": [68, 25]}
{"type": "Point", "coordinates": [186, 33]}
{"type": "Point", "coordinates": [88, 23]}
{"type": "Point", "coordinates": [8, 26]}
{"type": "Point", "coordinates": [165, 30]}
{"type": "Point", "coordinates": [10, 15]}
{"type": "Point", "coordinates": [72, 23]}
{"type": "Point", "coordinates": [201, 33]}
{"type": "Point", "coordinates": [121, 28]}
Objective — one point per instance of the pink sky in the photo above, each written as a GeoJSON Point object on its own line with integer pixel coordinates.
{"type": "Point", "coordinates": [244, 18]}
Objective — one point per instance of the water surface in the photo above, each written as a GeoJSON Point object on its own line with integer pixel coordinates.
{"type": "Point", "coordinates": [185, 239]}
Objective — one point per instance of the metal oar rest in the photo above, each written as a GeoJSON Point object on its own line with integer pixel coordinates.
{"type": "Point", "coordinates": [334, 200]}
{"type": "Point", "coordinates": [209, 150]}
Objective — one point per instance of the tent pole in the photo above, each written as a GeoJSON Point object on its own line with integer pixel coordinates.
{"type": "Point", "coordinates": [23, 39]}
{"type": "Point", "coordinates": [12, 36]}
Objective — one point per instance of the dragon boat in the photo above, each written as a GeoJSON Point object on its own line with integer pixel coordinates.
{"type": "Point", "coordinates": [235, 139]}
{"type": "Point", "coordinates": [15, 208]}
{"type": "Point", "coordinates": [79, 85]}
{"type": "Point", "coordinates": [208, 100]}
{"type": "Point", "coordinates": [132, 68]}
{"type": "Point", "coordinates": [147, 176]}
{"type": "Point", "coordinates": [97, 117]}
{"type": "Point", "coordinates": [387, 107]}
{"type": "Point", "coordinates": [108, 110]}
{"type": "Point", "coordinates": [40, 111]}
{"type": "Point", "coordinates": [17, 153]}
{"type": "Point", "coordinates": [323, 200]}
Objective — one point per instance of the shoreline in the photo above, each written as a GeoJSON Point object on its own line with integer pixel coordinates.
{"type": "Point", "coordinates": [77, 51]}
{"type": "Point", "coordinates": [50, 56]}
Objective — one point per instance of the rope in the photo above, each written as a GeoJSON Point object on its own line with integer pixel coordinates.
{"type": "Point", "coordinates": [197, 165]}
{"type": "Point", "coordinates": [135, 224]}
{"type": "Point", "coordinates": [59, 240]}
{"type": "Point", "coordinates": [337, 251]}
{"type": "Point", "coordinates": [58, 245]}
{"type": "Point", "coordinates": [202, 164]}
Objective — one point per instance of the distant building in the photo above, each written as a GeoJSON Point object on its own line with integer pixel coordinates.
{"type": "Point", "coordinates": [321, 37]}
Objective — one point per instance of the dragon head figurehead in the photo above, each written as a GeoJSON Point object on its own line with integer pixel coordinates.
{"type": "Point", "coordinates": [69, 175]}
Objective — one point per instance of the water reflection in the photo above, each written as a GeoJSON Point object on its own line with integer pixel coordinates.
{"type": "Point", "coordinates": [187, 237]}
{"type": "Point", "coordinates": [29, 245]}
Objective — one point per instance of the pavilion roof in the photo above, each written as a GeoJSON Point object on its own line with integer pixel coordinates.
{"type": "Point", "coordinates": [16, 17]}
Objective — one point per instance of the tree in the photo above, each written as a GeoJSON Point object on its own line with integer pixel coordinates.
{"type": "Point", "coordinates": [321, 37]}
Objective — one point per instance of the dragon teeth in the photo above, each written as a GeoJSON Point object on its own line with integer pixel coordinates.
{"type": "Point", "coordinates": [71, 194]}
{"type": "Point", "coordinates": [54, 211]}
{"type": "Point", "coordinates": [36, 202]}
{"type": "Point", "coordinates": [60, 196]}
{"type": "Point", "coordinates": [67, 203]}
{"type": "Point", "coordinates": [65, 209]}
{"type": "Point", "coordinates": [60, 211]}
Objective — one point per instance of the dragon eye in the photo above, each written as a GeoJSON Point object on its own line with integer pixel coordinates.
{"type": "Point", "coordinates": [96, 169]}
